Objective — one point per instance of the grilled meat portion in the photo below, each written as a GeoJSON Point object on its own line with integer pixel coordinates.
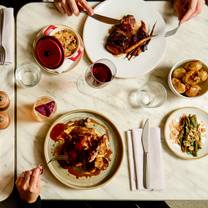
{"type": "Point", "coordinates": [126, 34]}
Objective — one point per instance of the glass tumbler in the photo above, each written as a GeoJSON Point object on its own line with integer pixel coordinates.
{"type": "Point", "coordinates": [28, 75]}
{"type": "Point", "coordinates": [150, 95]}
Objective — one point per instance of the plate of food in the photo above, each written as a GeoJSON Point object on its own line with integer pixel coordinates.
{"type": "Point", "coordinates": [186, 133]}
{"type": "Point", "coordinates": [136, 45]}
{"type": "Point", "coordinates": [90, 148]}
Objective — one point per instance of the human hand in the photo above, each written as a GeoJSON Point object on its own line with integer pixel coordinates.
{"type": "Point", "coordinates": [70, 7]}
{"type": "Point", "coordinates": [186, 9]}
{"type": "Point", "coordinates": [28, 184]}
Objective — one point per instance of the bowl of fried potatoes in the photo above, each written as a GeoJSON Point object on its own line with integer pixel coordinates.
{"type": "Point", "coordinates": [189, 78]}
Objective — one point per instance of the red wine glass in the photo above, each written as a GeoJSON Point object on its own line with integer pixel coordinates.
{"type": "Point", "coordinates": [97, 75]}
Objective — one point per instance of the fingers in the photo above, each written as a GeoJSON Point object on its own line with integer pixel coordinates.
{"type": "Point", "coordinates": [192, 9]}
{"type": "Point", "coordinates": [70, 7]}
{"type": "Point", "coordinates": [23, 180]}
{"type": "Point", "coordinates": [26, 180]}
{"type": "Point", "coordinates": [63, 7]}
{"type": "Point", "coordinates": [199, 7]}
{"type": "Point", "coordinates": [59, 7]}
{"type": "Point", "coordinates": [73, 5]}
{"type": "Point", "coordinates": [66, 7]}
{"type": "Point", "coordinates": [35, 177]}
{"type": "Point", "coordinates": [19, 180]}
{"type": "Point", "coordinates": [86, 7]}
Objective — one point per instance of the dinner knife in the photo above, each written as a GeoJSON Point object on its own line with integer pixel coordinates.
{"type": "Point", "coordinates": [104, 19]}
{"type": "Point", "coordinates": [145, 143]}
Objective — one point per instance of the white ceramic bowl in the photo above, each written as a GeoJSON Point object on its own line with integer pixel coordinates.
{"type": "Point", "coordinates": [180, 63]}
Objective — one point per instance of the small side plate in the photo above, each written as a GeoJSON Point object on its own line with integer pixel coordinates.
{"type": "Point", "coordinates": [202, 116]}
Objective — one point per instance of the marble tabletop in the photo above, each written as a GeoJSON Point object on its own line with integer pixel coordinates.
{"type": "Point", "coordinates": [7, 136]}
{"type": "Point", "coordinates": [184, 179]}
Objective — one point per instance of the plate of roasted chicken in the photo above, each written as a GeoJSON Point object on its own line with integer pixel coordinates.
{"type": "Point", "coordinates": [136, 45]}
{"type": "Point", "coordinates": [83, 149]}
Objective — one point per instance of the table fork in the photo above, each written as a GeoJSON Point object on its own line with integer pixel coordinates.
{"type": "Point", "coordinates": [58, 157]}
{"type": "Point", "coordinates": [173, 31]}
{"type": "Point", "coordinates": [2, 50]}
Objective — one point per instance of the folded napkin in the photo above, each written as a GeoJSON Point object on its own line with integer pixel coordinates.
{"type": "Point", "coordinates": [136, 154]}
{"type": "Point", "coordinates": [8, 34]}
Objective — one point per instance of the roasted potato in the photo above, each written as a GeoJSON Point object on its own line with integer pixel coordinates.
{"type": "Point", "coordinates": [191, 78]}
{"type": "Point", "coordinates": [193, 91]}
{"type": "Point", "coordinates": [178, 85]}
{"type": "Point", "coordinates": [203, 75]}
{"type": "Point", "coordinates": [179, 73]}
{"type": "Point", "coordinates": [193, 65]}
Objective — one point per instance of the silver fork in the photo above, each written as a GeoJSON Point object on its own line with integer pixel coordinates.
{"type": "Point", "coordinates": [2, 50]}
{"type": "Point", "coordinates": [172, 32]}
{"type": "Point", "coordinates": [58, 157]}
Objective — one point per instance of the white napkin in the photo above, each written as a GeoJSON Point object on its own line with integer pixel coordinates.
{"type": "Point", "coordinates": [8, 35]}
{"type": "Point", "coordinates": [155, 159]}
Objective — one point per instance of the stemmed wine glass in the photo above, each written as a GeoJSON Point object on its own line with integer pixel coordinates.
{"type": "Point", "coordinates": [97, 75]}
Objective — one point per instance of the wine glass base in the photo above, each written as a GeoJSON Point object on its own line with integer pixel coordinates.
{"type": "Point", "coordinates": [84, 88]}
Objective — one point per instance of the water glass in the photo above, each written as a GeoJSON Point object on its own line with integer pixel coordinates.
{"type": "Point", "coordinates": [150, 95]}
{"type": "Point", "coordinates": [28, 75]}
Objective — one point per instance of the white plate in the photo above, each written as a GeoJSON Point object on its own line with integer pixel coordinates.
{"type": "Point", "coordinates": [95, 33]}
{"type": "Point", "coordinates": [202, 116]}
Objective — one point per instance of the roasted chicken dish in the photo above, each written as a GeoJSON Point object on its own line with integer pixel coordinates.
{"type": "Point", "coordinates": [87, 152]}
{"type": "Point", "coordinates": [129, 37]}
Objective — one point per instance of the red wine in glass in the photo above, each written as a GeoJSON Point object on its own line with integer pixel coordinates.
{"type": "Point", "coordinates": [100, 73]}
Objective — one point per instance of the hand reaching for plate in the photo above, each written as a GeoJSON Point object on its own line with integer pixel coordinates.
{"type": "Point", "coordinates": [187, 9]}
{"type": "Point", "coordinates": [71, 7]}
{"type": "Point", "coordinates": [28, 184]}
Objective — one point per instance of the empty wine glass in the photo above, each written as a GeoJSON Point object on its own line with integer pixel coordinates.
{"type": "Point", "coordinates": [150, 95]}
{"type": "Point", "coordinates": [97, 75]}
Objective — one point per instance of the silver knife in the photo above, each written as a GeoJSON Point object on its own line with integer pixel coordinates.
{"type": "Point", "coordinates": [105, 19]}
{"type": "Point", "coordinates": [145, 143]}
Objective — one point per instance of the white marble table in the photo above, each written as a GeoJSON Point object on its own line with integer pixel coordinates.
{"type": "Point", "coordinates": [184, 179]}
{"type": "Point", "coordinates": [7, 136]}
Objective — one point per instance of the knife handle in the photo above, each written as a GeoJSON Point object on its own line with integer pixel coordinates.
{"type": "Point", "coordinates": [147, 171]}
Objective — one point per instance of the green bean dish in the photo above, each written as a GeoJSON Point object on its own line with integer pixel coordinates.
{"type": "Point", "coordinates": [188, 134]}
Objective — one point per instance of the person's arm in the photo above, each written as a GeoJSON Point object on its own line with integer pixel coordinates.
{"type": "Point", "coordinates": [28, 186]}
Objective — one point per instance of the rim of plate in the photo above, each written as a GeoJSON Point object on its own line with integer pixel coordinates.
{"type": "Point", "coordinates": [167, 138]}
{"type": "Point", "coordinates": [123, 76]}
{"type": "Point", "coordinates": [119, 139]}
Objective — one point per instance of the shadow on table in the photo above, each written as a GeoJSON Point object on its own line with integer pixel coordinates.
{"type": "Point", "coordinates": [14, 202]}
{"type": "Point", "coordinates": [105, 204]}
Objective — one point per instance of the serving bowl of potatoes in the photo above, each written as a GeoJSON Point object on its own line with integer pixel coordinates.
{"type": "Point", "coordinates": [189, 78]}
